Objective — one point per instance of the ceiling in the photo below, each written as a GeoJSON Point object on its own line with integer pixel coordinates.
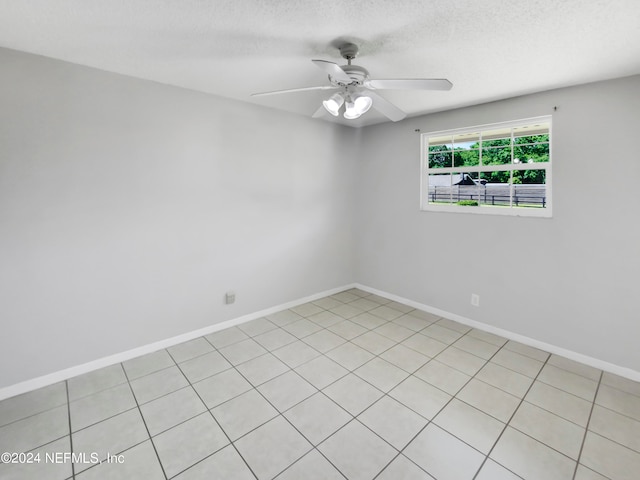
{"type": "Point", "coordinates": [490, 49]}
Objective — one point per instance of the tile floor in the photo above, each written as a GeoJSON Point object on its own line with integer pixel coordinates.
{"type": "Point", "coordinates": [350, 386]}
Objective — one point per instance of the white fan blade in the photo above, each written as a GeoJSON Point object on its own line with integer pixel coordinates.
{"type": "Point", "coordinates": [320, 112]}
{"type": "Point", "coordinates": [291, 90]}
{"type": "Point", "coordinates": [411, 84]}
{"type": "Point", "coordinates": [334, 70]}
{"type": "Point", "coordinates": [385, 107]}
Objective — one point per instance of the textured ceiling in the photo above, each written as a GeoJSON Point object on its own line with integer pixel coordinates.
{"type": "Point", "coordinates": [489, 49]}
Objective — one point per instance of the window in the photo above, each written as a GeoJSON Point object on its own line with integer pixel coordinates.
{"type": "Point", "coordinates": [502, 169]}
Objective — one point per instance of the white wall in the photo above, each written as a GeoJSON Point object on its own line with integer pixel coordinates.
{"type": "Point", "coordinates": [128, 208]}
{"type": "Point", "coordinates": [572, 280]}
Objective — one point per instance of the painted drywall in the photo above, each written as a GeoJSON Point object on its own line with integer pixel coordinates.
{"type": "Point", "coordinates": [571, 280]}
{"type": "Point", "coordinates": [128, 208]}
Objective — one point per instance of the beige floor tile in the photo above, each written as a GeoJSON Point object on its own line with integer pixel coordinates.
{"type": "Point", "coordinates": [531, 459]}
{"type": "Point", "coordinates": [461, 360]}
{"type": "Point", "coordinates": [527, 351]}
{"type": "Point", "coordinates": [313, 466]}
{"type": "Point", "coordinates": [443, 376]}
{"type": "Point", "coordinates": [347, 329]}
{"type": "Point", "coordinates": [350, 356]}
{"type": "Point", "coordinates": [243, 413]}
{"type": "Point", "coordinates": [394, 422]}
{"type": "Point", "coordinates": [575, 367]}
{"type": "Point", "coordinates": [353, 394]}
{"type": "Point", "coordinates": [569, 382]}
{"type": "Point", "coordinates": [357, 452]}
{"type": "Point", "coordinates": [497, 403]}
{"type": "Point", "coordinates": [488, 337]}
{"type": "Point", "coordinates": [443, 456]}
{"type": "Point", "coordinates": [425, 345]}
{"type": "Point", "coordinates": [552, 430]}
{"type": "Point", "coordinates": [405, 358]}
{"type": "Point", "coordinates": [257, 326]}
{"type": "Point", "coordinates": [621, 383]}
{"type": "Point", "coordinates": [518, 363]}
{"type": "Point", "coordinates": [421, 397]}
{"type": "Point", "coordinates": [614, 426]}
{"type": "Point", "coordinates": [321, 372]}
{"type": "Point", "coordinates": [609, 458]}
{"type": "Point", "coordinates": [262, 369]}
{"type": "Point", "coordinates": [286, 390]}
{"type": "Point", "coordinates": [403, 468]}
{"type": "Point", "coordinates": [563, 404]}
{"type": "Point", "coordinates": [36, 401]}
{"type": "Point", "coordinates": [271, 448]}
{"type": "Point", "coordinates": [470, 425]}
{"type": "Point", "coordinates": [619, 401]}
{"type": "Point", "coordinates": [307, 309]}
{"type": "Point", "coordinates": [225, 463]}
{"type": "Point", "coordinates": [584, 473]}
{"type": "Point", "coordinates": [511, 382]}
{"type": "Point", "coordinates": [477, 347]}
{"type": "Point", "coordinates": [453, 325]}
{"type": "Point", "coordinates": [381, 374]}
{"type": "Point", "coordinates": [493, 471]}
{"type": "Point", "coordinates": [317, 417]}
{"type": "Point", "coordinates": [441, 333]}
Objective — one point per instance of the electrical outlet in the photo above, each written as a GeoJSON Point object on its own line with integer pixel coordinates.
{"type": "Point", "coordinates": [475, 299]}
{"type": "Point", "coordinates": [230, 297]}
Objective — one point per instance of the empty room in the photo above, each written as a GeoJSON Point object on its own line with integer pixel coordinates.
{"type": "Point", "coordinates": [319, 240]}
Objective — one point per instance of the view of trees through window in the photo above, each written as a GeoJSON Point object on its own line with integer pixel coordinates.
{"type": "Point", "coordinates": [502, 165]}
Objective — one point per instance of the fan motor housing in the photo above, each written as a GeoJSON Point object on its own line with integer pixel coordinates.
{"type": "Point", "coordinates": [349, 51]}
{"type": "Point", "coordinates": [357, 74]}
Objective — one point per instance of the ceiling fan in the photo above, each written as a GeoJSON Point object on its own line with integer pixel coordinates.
{"type": "Point", "coordinates": [355, 91]}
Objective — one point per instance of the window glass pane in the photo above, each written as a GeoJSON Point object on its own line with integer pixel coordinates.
{"type": "Point", "coordinates": [538, 152]}
{"type": "Point", "coordinates": [440, 156]}
{"type": "Point", "coordinates": [529, 189]}
{"type": "Point", "coordinates": [466, 158]}
{"type": "Point", "coordinates": [465, 189]}
{"type": "Point", "coordinates": [531, 139]}
{"type": "Point", "coordinates": [496, 155]}
{"type": "Point", "coordinates": [495, 189]}
{"type": "Point", "coordinates": [440, 188]}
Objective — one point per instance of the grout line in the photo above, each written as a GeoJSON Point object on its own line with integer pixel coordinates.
{"type": "Point", "coordinates": [36, 413]}
{"type": "Point", "coordinates": [350, 371]}
{"type": "Point", "coordinates": [145, 423]}
{"type": "Point", "coordinates": [506, 424]}
{"type": "Point", "coordinates": [208, 410]}
{"type": "Point", "coordinates": [319, 391]}
{"type": "Point", "coordinates": [430, 421]}
{"type": "Point", "coordinates": [73, 468]}
{"type": "Point", "coordinates": [586, 428]}
{"type": "Point", "coordinates": [384, 393]}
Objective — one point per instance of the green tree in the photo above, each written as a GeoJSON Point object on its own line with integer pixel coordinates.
{"type": "Point", "coordinates": [439, 156]}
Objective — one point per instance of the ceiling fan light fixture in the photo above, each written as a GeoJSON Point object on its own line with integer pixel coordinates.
{"type": "Point", "coordinates": [362, 104]}
{"type": "Point", "coordinates": [333, 104]}
{"type": "Point", "coordinates": [356, 106]}
{"type": "Point", "coordinates": [350, 112]}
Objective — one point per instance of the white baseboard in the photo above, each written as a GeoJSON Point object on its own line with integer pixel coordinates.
{"type": "Point", "coordinates": [547, 347]}
{"type": "Point", "coordinates": [67, 373]}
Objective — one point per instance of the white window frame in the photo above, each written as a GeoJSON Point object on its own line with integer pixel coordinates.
{"type": "Point", "coordinates": [511, 210]}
